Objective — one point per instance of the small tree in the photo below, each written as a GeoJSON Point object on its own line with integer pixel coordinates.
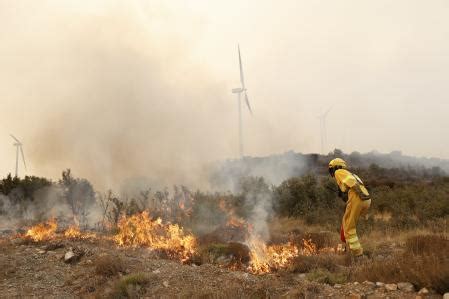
{"type": "Point", "coordinates": [79, 195]}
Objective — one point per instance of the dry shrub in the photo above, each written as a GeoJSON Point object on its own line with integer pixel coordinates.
{"type": "Point", "coordinates": [130, 286]}
{"type": "Point", "coordinates": [427, 270]}
{"type": "Point", "coordinates": [237, 252]}
{"type": "Point", "coordinates": [322, 239]}
{"type": "Point", "coordinates": [387, 271]}
{"type": "Point", "coordinates": [108, 266]}
{"type": "Point", "coordinates": [303, 264]}
{"type": "Point", "coordinates": [325, 276]}
{"type": "Point", "coordinates": [423, 264]}
{"type": "Point", "coordinates": [427, 244]}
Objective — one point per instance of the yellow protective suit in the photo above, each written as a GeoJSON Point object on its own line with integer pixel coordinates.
{"type": "Point", "coordinates": [357, 205]}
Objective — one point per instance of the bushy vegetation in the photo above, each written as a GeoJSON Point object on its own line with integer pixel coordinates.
{"type": "Point", "coordinates": [39, 198]}
{"type": "Point", "coordinates": [403, 198]}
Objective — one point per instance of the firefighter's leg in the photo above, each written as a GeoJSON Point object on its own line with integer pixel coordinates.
{"type": "Point", "coordinates": [350, 218]}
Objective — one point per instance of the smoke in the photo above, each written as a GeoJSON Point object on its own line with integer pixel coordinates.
{"type": "Point", "coordinates": [260, 214]}
{"type": "Point", "coordinates": [111, 97]}
{"type": "Point", "coordinates": [16, 210]}
{"type": "Point", "coordinates": [226, 175]}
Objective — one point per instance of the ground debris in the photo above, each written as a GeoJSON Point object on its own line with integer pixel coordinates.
{"type": "Point", "coordinates": [73, 255]}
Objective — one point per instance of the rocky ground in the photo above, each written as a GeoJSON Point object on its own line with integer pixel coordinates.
{"type": "Point", "coordinates": [71, 268]}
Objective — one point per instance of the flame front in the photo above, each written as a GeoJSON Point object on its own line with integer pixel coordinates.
{"type": "Point", "coordinates": [266, 258]}
{"type": "Point", "coordinates": [73, 232]}
{"type": "Point", "coordinates": [43, 231]}
{"type": "Point", "coordinates": [141, 230]}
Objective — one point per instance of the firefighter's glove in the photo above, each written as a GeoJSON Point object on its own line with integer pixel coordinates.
{"type": "Point", "coordinates": [343, 195]}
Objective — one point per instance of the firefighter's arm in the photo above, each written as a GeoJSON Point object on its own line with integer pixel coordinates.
{"type": "Point", "coordinates": [345, 180]}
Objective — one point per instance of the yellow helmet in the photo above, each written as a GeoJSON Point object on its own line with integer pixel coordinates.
{"type": "Point", "coordinates": [335, 164]}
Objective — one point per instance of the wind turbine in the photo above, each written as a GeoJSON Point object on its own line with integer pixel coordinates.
{"type": "Point", "coordinates": [18, 146]}
{"type": "Point", "coordinates": [323, 129]}
{"type": "Point", "coordinates": [239, 92]}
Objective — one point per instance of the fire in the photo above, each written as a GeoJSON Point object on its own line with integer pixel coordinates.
{"type": "Point", "coordinates": [267, 258]}
{"type": "Point", "coordinates": [43, 231]}
{"type": "Point", "coordinates": [73, 232]}
{"type": "Point", "coordinates": [233, 220]}
{"type": "Point", "coordinates": [141, 230]}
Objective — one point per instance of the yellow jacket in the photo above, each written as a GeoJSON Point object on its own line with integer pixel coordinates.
{"type": "Point", "coordinates": [351, 183]}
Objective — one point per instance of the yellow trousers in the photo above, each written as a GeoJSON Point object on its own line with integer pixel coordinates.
{"type": "Point", "coordinates": [355, 207]}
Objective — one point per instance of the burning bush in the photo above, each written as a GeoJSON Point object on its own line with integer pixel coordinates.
{"type": "Point", "coordinates": [141, 230]}
{"type": "Point", "coordinates": [43, 231]}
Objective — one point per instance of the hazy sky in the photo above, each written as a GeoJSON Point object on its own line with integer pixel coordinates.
{"type": "Point", "coordinates": [115, 89]}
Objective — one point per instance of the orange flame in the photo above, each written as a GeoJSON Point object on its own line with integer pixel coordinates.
{"type": "Point", "coordinates": [43, 231]}
{"type": "Point", "coordinates": [267, 258]}
{"type": "Point", "coordinates": [141, 230]}
{"type": "Point", "coordinates": [73, 232]}
{"type": "Point", "coordinates": [233, 220]}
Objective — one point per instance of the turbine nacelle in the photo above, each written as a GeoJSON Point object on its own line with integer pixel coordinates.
{"type": "Point", "coordinates": [238, 90]}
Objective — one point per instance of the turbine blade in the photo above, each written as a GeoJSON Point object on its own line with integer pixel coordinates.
{"type": "Point", "coordinates": [247, 103]}
{"type": "Point", "coordinates": [23, 157]}
{"type": "Point", "coordinates": [242, 80]}
{"type": "Point", "coordinates": [14, 138]}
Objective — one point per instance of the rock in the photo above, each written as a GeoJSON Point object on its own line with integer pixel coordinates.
{"type": "Point", "coordinates": [40, 251]}
{"type": "Point", "coordinates": [337, 286]}
{"type": "Point", "coordinates": [223, 260]}
{"type": "Point", "coordinates": [300, 276]}
{"type": "Point", "coordinates": [446, 296]}
{"type": "Point", "coordinates": [423, 291]}
{"type": "Point", "coordinates": [369, 283]}
{"type": "Point", "coordinates": [73, 255]}
{"type": "Point", "coordinates": [165, 283]}
{"type": "Point", "coordinates": [406, 286]}
{"type": "Point", "coordinates": [391, 287]}
{"type": "Point", "coordinates": [355, 296]}
{"type": "Point", "coordinates": [419, 297]}
{"type": "Point", "coordinates": [380, 284]}
{"type": "Point", "coordinates": [356, 283]}
{"type": "Point", "coordinates": [69, 255]}
{"type": "Point", "coordinates": [157, 271]}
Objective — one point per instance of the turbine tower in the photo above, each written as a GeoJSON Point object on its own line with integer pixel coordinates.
{"type": "Point", "coordinates": [323, 129]}
{"type": "Point", "coordinates": [18, 146]}
{"type": "Point", "coordinates": [239, 91]}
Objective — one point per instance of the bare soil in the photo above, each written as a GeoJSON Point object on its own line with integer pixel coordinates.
{"type": "Point", "coordinates": [29, 269]}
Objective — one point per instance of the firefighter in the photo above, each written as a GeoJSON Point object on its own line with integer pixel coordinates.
{"type": "Point", "coordinates": [358, 201]}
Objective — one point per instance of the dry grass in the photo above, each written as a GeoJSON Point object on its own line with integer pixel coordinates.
{"type": "Point", "coordinates": [237, 252]}
{"type": "Point", "coordinates": [108, 266]}
{"type": "Point", "coordinates": [425, 263]}
{"type": "Point", "coordinates": [427, 244]}
{"type": "Point", "coordinates": [304, 264]}
{"type": "Point", "coordinates": [325, 276]}
{"type": "Point", "coordinates": [130, 286]}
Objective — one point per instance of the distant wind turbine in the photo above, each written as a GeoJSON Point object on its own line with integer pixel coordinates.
{"type": "Point", "coordinates": [18, 146]}
{"type": "Point", "coordinates": [323, 130]}
{"type": "Point", "coordinates": [239, 92]}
